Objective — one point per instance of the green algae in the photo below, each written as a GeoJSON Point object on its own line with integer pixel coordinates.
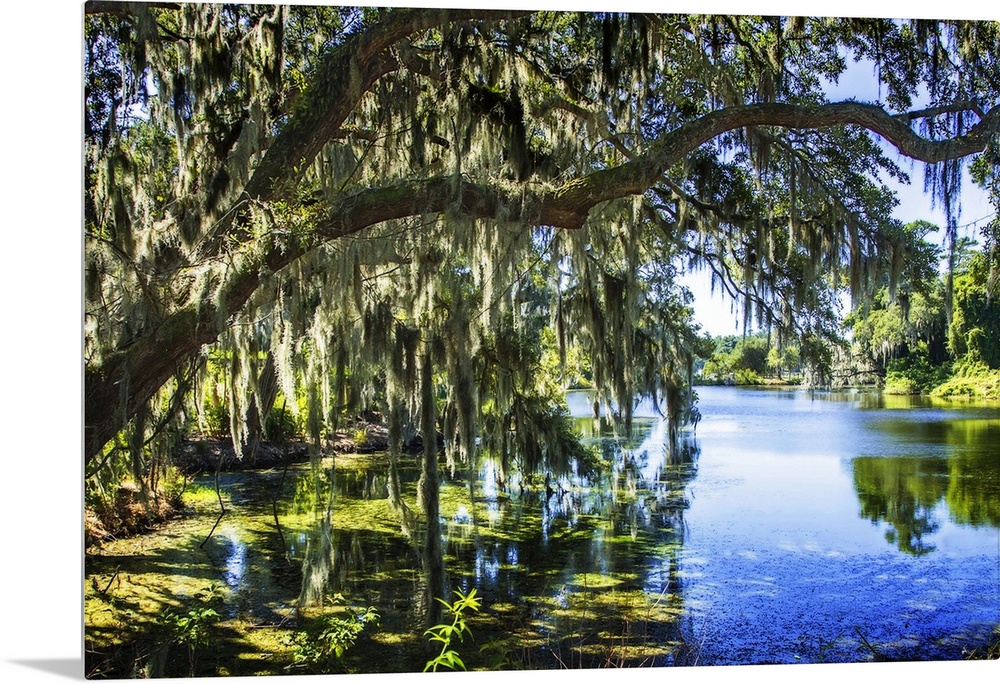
{"type": "Point", "coordinates": [253, 556]}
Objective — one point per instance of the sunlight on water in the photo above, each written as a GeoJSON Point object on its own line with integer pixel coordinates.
{"type": "Point", "coordinates": [235, 563]}
{"type": "Point", "coordinates": [857, 514]}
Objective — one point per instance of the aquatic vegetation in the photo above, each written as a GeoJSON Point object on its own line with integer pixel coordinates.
{"type": "Point", "coordinates": [596, 573]}
{"type": "Point", "coordinates": [989, 651]}
{"type": "Point", "coordinates": [192, 627]}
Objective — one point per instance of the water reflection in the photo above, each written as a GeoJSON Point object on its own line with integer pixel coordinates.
{"type": "Point", "coordinates": [584, 566]}
{"type": "Point", "coordinates": [949, 469]}
{"type": "Point", "coordinates": [334, 518]}
{"type": "Point", "coordinates": [563, 560]}
{"type": "Point", "coordinates": [578, 557]}
{"type": "Point", "coordinates": [816, 515]}
{"type": "Point", "coordinates": [902, 492]}
{"type": "Point", "coordinates": [236, 559]}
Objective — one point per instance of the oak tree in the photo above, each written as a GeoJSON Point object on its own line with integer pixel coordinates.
{"type": "Point", "coordinates": [382, 207]}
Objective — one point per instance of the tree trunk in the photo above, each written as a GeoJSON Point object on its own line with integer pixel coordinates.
{"type": "Point", "coordinates": [429, 494]}
{"type": "Point", "coordinates": [393, 486]}
{"type": "Point", "coordinates": [260, 407]}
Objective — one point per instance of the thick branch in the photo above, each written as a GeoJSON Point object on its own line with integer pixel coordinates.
{"type": "Point", "coordinates": [127, 379]}
{"type": "Point", "coordinates": [338, 84]}
{"type": "Point", "coordinates": [953, 108]}
{"type": "Point", "coordinates": [637, 175]}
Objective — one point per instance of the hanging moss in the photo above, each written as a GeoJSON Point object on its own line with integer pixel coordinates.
{"type": "Point", "coordinates": [178, 205]}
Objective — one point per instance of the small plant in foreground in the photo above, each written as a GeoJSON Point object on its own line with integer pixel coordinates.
{"type": "Point", "coordinates": [316, 650]}
{"type": "Point", "coordinates": [192, 628]}
{"type": "Point", "coordinates": [444, 632]}
{"type": "Point", "coordinates": [987, 651]}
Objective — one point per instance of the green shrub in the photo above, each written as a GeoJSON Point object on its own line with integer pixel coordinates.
{"type": "Point", "coordinates": [746, 376]}
{"type": "Point", "coordinates": [216, 420]}
{"type": "Point", "coordinates": [986, 387]}
{"type": "Point", "coordinates": [899, 383]}
{"type": "Point", "coordinates": [319, 648]}
{"type": "Point", "coordinates": [280, 426]}
{"type": "Point", "coordinates": [914, 373]}
{"type": "Point", "coordinates": [191, 628]}
{"type": "Point", "coordinates": [173, 484]}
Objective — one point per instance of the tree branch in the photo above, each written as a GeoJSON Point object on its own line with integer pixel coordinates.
{"type": "Point", "coordinates": [637, 175]}
{"type": "Point", "coordinates": [340, 81]}
{"type": "Point", "coordinates": [127, 379]}
{"type": "Point", "coordinates": [953, 108]}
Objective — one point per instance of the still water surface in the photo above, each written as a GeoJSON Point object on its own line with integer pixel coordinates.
{"type": "Point", "coordinates": [824, 523]}
{"type": "Point", "coordinates": [795, 527]}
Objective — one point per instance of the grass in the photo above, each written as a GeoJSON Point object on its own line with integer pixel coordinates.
{"type": "Point", "coordinates": [988, 651]}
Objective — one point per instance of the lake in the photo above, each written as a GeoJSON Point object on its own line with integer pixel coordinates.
{"type": "Point", "coordinates": [837, 526]}
{"type": "Point", "coordinates": [791, 527]}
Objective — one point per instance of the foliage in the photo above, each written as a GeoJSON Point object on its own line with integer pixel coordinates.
{"type": "Point", "coordinates": [125, 507]}
{"type": "Point", "coordinates": [900, 383]}
{"type": "Point", "coordinates": [446, 633]}
{"type": "Point", "coordinates": [749, 360]}
{"type": "Point", "coordinates": [192, 628]}
{"type": "Point", "coordinates": [914, 373]}
{"type": "Point", "coordinates": [972, 379]}
{"type": "Point", "coordinates": [747, 376]}
{"type": "Point", "coordinates": [751, 354]}
{"type": "Point", "coordinates": [910, 313]}
{"type": "Point", "coordinates": [257, 224]}
{"type": "Point", "coordinates": [280, 426]}
{"type": "Point", "coordinates": [909, 341]}
{"type": "Point", "coordinates": [319, 648]}
{"type": "Point", "coordinates": [975, 325]}
{"type": "Point", "coordinates": [217, 420]}
{"type": "Point", "coordinates": [988, 651]}
{"type": "Point", "coordinates": [782, 359]}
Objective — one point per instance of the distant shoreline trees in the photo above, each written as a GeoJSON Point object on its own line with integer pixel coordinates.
{"type": "Point", "coordinates": [901, 341]}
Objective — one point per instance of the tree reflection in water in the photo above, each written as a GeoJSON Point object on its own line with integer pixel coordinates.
{"type": "Point", "coordinates": [576, 565]}
{"type": "Point", "coordinates": [912, 491]}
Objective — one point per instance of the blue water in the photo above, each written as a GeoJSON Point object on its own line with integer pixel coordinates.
{"type": "Point", "coordinates": [840, 527]}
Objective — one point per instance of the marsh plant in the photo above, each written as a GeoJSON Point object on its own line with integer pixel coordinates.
{"type": "Point", "coordinates": [444, 633]}
{"type": "Point", "coordinates": [192, 628]}
{"type": "Point", "coordinates": [320, 649]}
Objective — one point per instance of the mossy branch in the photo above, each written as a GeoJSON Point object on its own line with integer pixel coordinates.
{"type": "Point", "coordinates": [126, 379]}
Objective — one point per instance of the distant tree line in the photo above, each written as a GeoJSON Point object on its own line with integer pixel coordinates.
{"type": "Point", "coordinates": [751, 360]}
